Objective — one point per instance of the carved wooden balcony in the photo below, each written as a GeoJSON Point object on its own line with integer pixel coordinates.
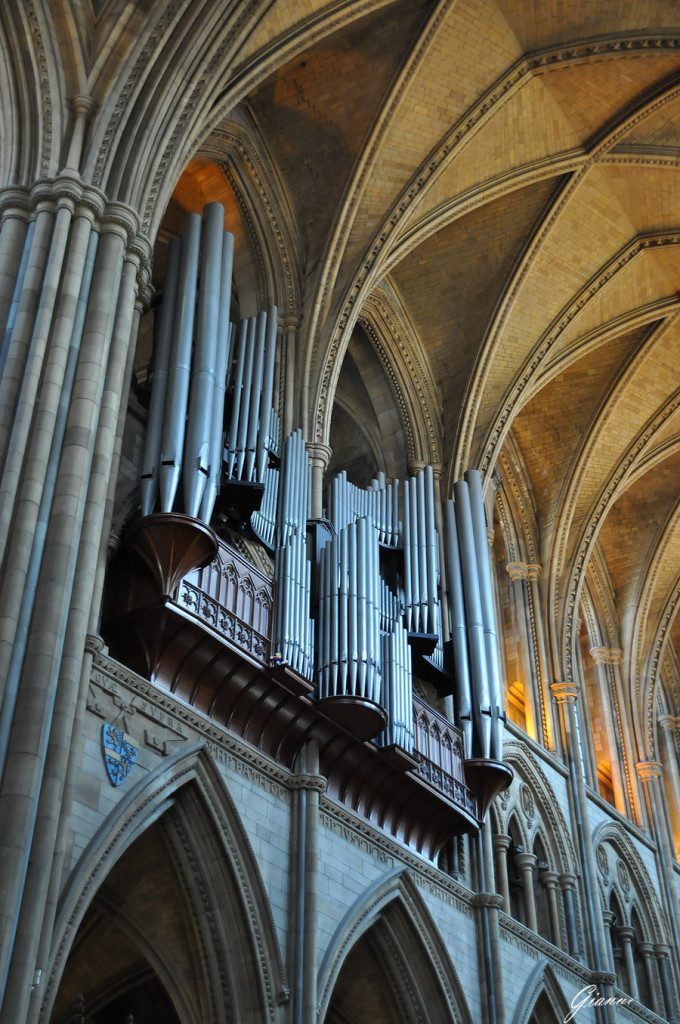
{"type": "Point", "coordinates": [208, 642]}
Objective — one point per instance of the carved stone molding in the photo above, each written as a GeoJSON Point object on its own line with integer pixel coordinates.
{"type": "Point", "coordinates": [607, 655]}
{"type": "Point", "coordinates": [523, 570]}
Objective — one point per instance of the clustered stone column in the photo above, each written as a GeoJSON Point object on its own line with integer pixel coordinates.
{"type": "Point", "coordinates": [566, 695]}
{"type": "Point", "coordinates": [626, 937]}
{"type": "Point", "coordinates": [525, 576]}
{"type": "Point", "coordinates": [526, 862]}
{"type": "Point", "coordinates": [608, 662]}
{"type": "Point", "coordinates": [72, 269]}
{"type": "Point", "coordinates": [549, 880]}
{"type": "Point", "coordinates": [650, 775]}
{"type": "Point", "coordinates": [501, 845]}
{"type": "Point", "coordinates": [308, 785]}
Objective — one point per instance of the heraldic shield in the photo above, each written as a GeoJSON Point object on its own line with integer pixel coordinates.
{"type": "Point", "coordinates": [119, 753]}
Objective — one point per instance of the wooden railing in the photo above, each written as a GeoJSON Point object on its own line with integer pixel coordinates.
{"type": "Point", "coordinates": [438, 749]}
{"type": "Point", "coordinates": [234, 599]}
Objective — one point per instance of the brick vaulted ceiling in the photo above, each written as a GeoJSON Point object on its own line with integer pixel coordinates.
{"type": "Point", "coordinates": [503, 177]}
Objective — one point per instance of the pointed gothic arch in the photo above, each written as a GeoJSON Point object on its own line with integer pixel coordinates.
{"type": "Point", "coordinates": [394, 915]}
{"type": "Point", "coordinates": [541, 990]}
{"type": "Point", "coordinates": [215, 867]}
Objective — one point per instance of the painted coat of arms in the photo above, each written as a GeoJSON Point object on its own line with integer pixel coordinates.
{"type": "Point", "coordinates": [119, 753]}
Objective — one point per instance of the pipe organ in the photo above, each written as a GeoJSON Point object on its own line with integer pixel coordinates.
{"type": "Point", "coordinates": [357, 605]}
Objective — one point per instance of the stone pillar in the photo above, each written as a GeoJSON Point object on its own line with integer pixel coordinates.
{"type": "Point", "coordinates": [319, 457]}
{"type": "Point", "coordinates": [501, 845]}
{"type": "Point", "coordinates": [15, 213]}
{"type": "Point", "coordinates": [550, 879]}
{"type": "Point", "coordinates": [649, 773]}
{"type": "Point", "coordinates": [308, 785]}
{"type": "Point", "coordinates": [48, 662]}
{"type": "Point", "coordinates": [646, 951]}
{"type": "Point", "coordinates": [567, 883]}
{"type": "Point", "coordinates": [565, 695]}
{"type": "Point", "coordinates": [519, 575]}
{"type": "Point", "coordinates": [670, 738]}
{"type": "Point", "coordinates": [608, 662]}
{"type": "Point", "coordinates": [526, 862]}
{"type": "Point", "coordinates": [291, 326]}
{"type": "Point", "coordinates": [671, 1004]}
{"type": "Point", "coordinates": [626, 936]}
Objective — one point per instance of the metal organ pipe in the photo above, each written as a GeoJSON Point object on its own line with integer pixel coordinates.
{"type": "Point", "coordinates": [161, 363]}
{"type": "Point", "coordinates": [225, 344]}
{"type": "Point", "coordinates": [196, 463]}
{"type": "Point", "coordinates": [180, 365]}
{"type": "Point", "coordinates": [481, 703]}
{"type": "Point", "coordinates": [267, 393]}
{"type": "Point", "coordinates": [474, 481]}
{"type": "Point", "coordinates": [458, 628]}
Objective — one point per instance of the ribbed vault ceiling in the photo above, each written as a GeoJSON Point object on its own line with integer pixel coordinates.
{"type": "Point", "coordinates": [508, 172]}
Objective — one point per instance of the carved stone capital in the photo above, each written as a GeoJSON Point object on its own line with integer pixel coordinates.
{"type": "Point", "coordinates": [319, 454]}
{"type": "Point", "coordinates": [567, 881]}
{"type": "Point", "coordinates": [671, 723]}
{"type": "Point", "coordinates": [564, 693]}
{"type": "Point", "coordinates": [488, 899]}
{"type": "Point", "coordinates": [94, 644]}
{"type": "Point", "coordinates": [607, 655]}
{"type": "Point", "coordinates": [501, 842]}
{"type": "Point", "coordinates": [304, 780]}
{"type": "Point", "coordinates": [83, 105]}
{"type": "Point", "coordinates": [648, 770]}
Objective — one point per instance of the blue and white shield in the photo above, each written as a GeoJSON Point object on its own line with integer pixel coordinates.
{"type": "Point", "coordinates": [119, 753]}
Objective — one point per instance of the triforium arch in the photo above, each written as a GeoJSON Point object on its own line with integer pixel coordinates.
{"type": "Point", "coordinates": [621, 871]}
{"type": "Point", "coordinates": [393, 916]}
{"type": "Point", "coordinates": [238, 963]}
{"type": "Point", "coordinates": [542, 1000]}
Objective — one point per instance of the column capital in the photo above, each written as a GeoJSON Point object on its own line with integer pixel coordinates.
{"type": "Point", "coordinates": [501, 841]}
{"type": "Point", "coordinates": [525, 860]}
{"type": "Point", "coordinates": [625, 933]}
{"type": "Point", "coordinates": [662, 950]}
{"type": "Point", "coordinates": [549, 878]}
{"type": "Point", "coordinates": [319, 452]}
{"type": "Point", "coordinates": [488, 899]}
{"type": "Point", "coordinates": [523, 570]}
{"type": "Point", "coordinates": [291, 322]}
{"type": "Point", "coordinates": [671, 723]}
{"type": "Point", "coordinates": [645, 948]}
{"type": "Point", "coordinates": [648, 770]}
{"type": "Point", "coordinates": [567, 880]}
{"type": "Point", "coordinates": [94, 643]}
{"type": "Point", "coordinates": [603, 978]}
{"type": "Point", "coordinates": [306, 780]}
{"type": "Point", "coordinates": [564, 692]}
{"type": "Point", "coordinates": [83, 105]}
{"type": "Point", "coordinates": [607, 655]}
{"type": "Point", "coordinates": [607, 918]}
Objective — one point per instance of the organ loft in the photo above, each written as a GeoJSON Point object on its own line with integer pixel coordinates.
{"type": "Point", "coordinates": [339, 512]}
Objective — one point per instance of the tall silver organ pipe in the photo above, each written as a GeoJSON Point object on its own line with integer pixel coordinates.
{"type": "Point", "coordinates": [174, 422]}
{"type": "Point", "coordinates": [196, 462]}
{"type": "Point", "coordinates": [161, 364]}
{"type": "Point", "coordinates": [293, 628]}
{"type": "Point", "coordinates": [379, 501]}
{"type": "Point", "coordinates": [349, 654]}
{"type": "Point", "coordinates": [253, 427]}
{"type": "Point", "coordinates": [473, 479]}
{"type": "Point", "coordinates": [263, 521]}
{"type": "Point", "coordinates": [191, 362]}
{"type": "Point", "coordinates": [458, 628]}
{"type": "Point", "coordinates": [421, 554]}
{"type": "Point", "coordinates": [397, 688]}
{"type": "Point", "coordinates": [481, 701]}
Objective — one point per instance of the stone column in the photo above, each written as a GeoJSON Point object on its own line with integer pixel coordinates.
{"type": "Point", "coordinates": [291, 325]}
{"type": "Point", "coordinates": [646, 951]}
{"type": "Point", "coordinates": [526, 862]}
{"type": "Point", "coordinates": [541, 656]}
{"type": "Point", "coordinates": [308, 786]}
{"type": "Point", "coordinates": [549, 879]}
{"type": "Point", "coordinates": [567, 883]}
{"type": "Point", "coordinates": [519, 575]}
{"type": "Point", "coordinates": [671, 1004]}
{"type": "Point", "coordinates": [565, 695]}
{"type": "Point", "coordinates": [626, 936]}
{"type": "Point", "coordinates": [608, 921]}
{"type": "Point", "coordinates": [61, 602]}
{"type": "Point", "coordinates": [501, 845]}
{"type": "Point", "coordinates": [319, 457]}
{"type": "Point", "coordinates": [15, 213]}
{"type": "Point", "coordinates": [670, 737]}
{"type": "Point", "coordinates": [608, 661]}
{"type": "Point", "coordinates": [649, 773]}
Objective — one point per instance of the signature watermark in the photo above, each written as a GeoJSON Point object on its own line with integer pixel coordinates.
{"type": "Point", "coordinates": [588, 997]}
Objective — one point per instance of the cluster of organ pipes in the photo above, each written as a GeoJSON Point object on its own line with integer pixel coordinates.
{"type": "Point", "coordinates": [195, 345]}
{"type": "Point", "coordinates": [339, 619]}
